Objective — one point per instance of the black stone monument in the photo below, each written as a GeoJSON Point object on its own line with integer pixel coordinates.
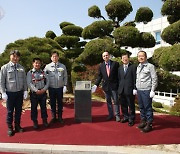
{"type": "Point", "coordinates": [83, 101]}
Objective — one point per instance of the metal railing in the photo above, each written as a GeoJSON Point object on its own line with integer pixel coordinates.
{"type": "Point", "coordinates": [166, 94]}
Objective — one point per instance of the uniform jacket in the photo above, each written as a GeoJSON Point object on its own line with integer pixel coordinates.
{"type": "Point", "coordinates": [57, 75]}
{"type": "Point", "coordinates": [11, 79]}
{"type": "Point", "coordinates": [127, 81]}
{"type": "Point", "coordinates": [37, 80]}
{"type": "Point", "coordinates": [146, 77]}
{"type": "Point", "coordinates": [111, 82]}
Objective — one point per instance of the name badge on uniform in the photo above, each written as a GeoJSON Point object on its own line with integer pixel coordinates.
{"type": "Point", "coordinates": [60, 71]}
{"type": "Point", "coordinates": [20, 70]}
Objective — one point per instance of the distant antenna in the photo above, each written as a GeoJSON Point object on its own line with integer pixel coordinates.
{"type": "Point", "coordinates": [2, 13]}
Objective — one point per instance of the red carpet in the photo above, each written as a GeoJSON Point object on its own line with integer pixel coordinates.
{"type": "Point", "coordinates": [99, 132]}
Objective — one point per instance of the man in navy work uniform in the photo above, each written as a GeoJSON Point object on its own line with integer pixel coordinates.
{"type": "Point", "coordinates": [13, 87]}
{"type": "Point", "coordinates": [146, 83]}
{"type": "Point", "coordinates": [108, 74]}
{"type": "Point", "coordinates": [57, 75]}
{"type": "Point", "coordinates": [38, 83]}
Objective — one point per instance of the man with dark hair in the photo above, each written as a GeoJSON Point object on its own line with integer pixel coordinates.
{"type": "Point", "coordinates": [108, 73]}
{"type": "Point", "coordinates": [146, 83]}
{"type": "Point", "coordinates": [14, 88]}
{"type": "Point", "coordinates": [57, 74]}
{"type": "Point", "coordinates": [38, 83]}
{"type": "Point", "coordinates": [126, 89]}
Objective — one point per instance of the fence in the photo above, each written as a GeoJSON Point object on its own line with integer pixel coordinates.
{"type": "Point", "coordinates": [165, 98]}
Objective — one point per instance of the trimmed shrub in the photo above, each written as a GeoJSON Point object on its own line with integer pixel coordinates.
{"type": "Point", "coordinates": [72, 30]}
{"type": "Point", "coordinates": [167, 81]}
{"type": "Point", "coordinates": [171, 34]}
{"type": "Point", "coordinates": [94, 12]}
{"type": "Point", "coordinates": [119, 9]}
{"type": "Point", "coordinates": [157, 105]}
{"type": "Point", "coordinates": [50, 34]}
{"type": "Point", "coordinates": [144, 14]}
{"type": "Point", "coordinates": [127, 36]}
{"type": "Point", "coordinates": [176, 106]}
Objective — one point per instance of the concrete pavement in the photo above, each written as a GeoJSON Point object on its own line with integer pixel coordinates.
{"type": "Point", "coordinates": [76, 149]}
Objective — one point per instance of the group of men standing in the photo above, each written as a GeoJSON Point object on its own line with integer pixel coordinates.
{"type": "Point", "coordinates": [118, 82]}
{"type": "Point", "coordinates": [122, 83]}
{"type": "Point", "coordinates": [14, 86]}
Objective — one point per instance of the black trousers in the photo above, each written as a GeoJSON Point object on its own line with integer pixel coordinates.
{"type": "Point", "coordinates": [41, 100]}
{"type": "Point", "coordinates": [14, 102]}
{"type": "Point", "coordinates": [128, 106]}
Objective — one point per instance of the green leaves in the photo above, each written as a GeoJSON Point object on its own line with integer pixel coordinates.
{"type": "Point", "coordinates": [168, 58]}
{"type": "Point", "coordinates": [72, 30]}
{"type": "Point", "coordinates": [93, 51]}
{"type": "Point", "coordinates": [50, 34]}
{"type": "Point", "coordinates": [97, 29]}
{"type": "Point", "coordinates": [126, 36]}
{"type": "Point", "coordinates": [94, 12]}
{"type": "Point", "coordinates": [118, 9]}
{"type": "Point", "coordinates": [144, 14]}
{"type": "Point", "coordinates": [171, 9]}
{"type": "Point", "coordinates": [30, 48]}
{"type": "Point", "coordinates": [67, 41]}
{"type": "Point", "coordinates": [171, 34]}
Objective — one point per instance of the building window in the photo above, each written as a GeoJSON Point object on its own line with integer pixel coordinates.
{"type": "Point", "coordinates": [158, 37]}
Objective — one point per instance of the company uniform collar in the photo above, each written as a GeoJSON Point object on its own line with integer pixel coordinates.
{"type": "Point", "coordinates": [143, 64]}
{"type": "Point", "coordinates": [34, 70]}
{"type": "Point", "coordinates": [12, 64]}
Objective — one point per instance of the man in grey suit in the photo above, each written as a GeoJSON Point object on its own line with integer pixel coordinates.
{"type": "Point", "coordinates": [126, 89]}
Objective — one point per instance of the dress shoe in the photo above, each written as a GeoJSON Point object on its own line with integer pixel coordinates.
{"type": "Point", "coordinates": [124, 120]}
{"type": "Point", "coordinates": [142, 124]}
{"type": "Point", "coordinates": [118, 119]}
{"type": "Point", "coordinates": [147, 128]}
{"type": "Point", "coordinates": [35, 124]}
{"type": "Point", "coordinates": [53, 120]}
{"type": "Point", "coordinates": [45, 123]}
{"type": "Point", "coordinates": [10, 131]}
{"type": "Point", "coordinates": [109, 118]}
{"type": "Point", "coordinates": [60, 120]}
{"type": "Point", "coordinates": [18, 128]}
{"type": "Point", "coordinates": [131, 123]}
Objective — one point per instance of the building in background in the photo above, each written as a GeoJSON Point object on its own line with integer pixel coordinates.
{"type": "Point", "coordinates": [155, 27]}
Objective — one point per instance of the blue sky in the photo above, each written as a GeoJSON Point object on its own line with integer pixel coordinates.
{"type": "Point", "coordinates": [28, 18]}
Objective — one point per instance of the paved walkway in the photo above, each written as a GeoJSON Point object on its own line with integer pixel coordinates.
{"type": "Point", "coordinates": [76, 149]}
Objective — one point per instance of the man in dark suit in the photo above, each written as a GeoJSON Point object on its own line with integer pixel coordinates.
{"type": "Point", "coordinates": [126, 90]}
{"type": "Point", "coordinates": [108, 73]}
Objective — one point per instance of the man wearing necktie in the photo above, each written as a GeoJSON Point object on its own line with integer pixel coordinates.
{"type": "Point", "coordinates": [108, 74]}
{"type": "Point", "coordinates": [14, 88]}
{"type": "Point", "coordinates": [126, 89]}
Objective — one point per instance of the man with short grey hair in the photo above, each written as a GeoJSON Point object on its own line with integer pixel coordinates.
{"type": "Point", "coordinates": [13, 87]}
{"type": "Point", "coordinates": [146, 83]}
